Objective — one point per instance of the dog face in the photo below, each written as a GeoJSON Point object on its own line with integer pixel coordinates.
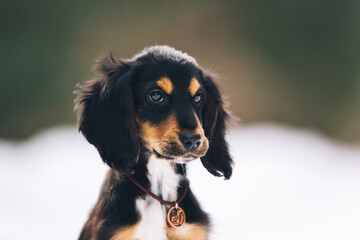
{"type": "Point", "coordinates": [169, 107]}
{"type": "Point", "coordinates": [160, 102]}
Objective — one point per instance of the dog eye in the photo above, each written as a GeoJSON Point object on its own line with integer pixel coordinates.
{"type": "Point", "coordinates": [156, 96]}
{"type": "Point", "coordinates": [197, 98]}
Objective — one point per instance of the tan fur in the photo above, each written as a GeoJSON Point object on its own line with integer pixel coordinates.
{"type": "Point", "coordinates": [187, 232]}
{"type": "Point", "coordinates": [166, 85]}
{"type": "Point", "coordinates": [125, 233]}
{"type": "Point", "coordinates": [159, 136]}
{"type": "Point", "coordinates": [165, 132]}
{"type": "Point", "coordinates": [199, 129]}
{"type": "Point", "coordinates": [194, 86]}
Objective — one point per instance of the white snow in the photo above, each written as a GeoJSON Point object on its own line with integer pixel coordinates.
{"type": "Point", "coordinates": [287, 184]}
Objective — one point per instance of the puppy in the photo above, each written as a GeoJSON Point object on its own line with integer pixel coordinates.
{"type": "Point", "coordinates": [148, 116]}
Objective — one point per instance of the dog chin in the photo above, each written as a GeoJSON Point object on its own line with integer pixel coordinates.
{"type": "Point", "coordinates": [184, 160]}
{"type": "Point", "coordinates": [177, 159]}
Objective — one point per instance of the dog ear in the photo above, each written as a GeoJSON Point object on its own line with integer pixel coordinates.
{"type": "Point", "coordinates": [106, 114]}
{"type": "Point", "coordinates": [217, 159]}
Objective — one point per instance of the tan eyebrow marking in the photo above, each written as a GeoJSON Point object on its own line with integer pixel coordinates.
{"type": "Point", "coordinates": [165, 84]}
{"type": "Point", "coordinates": [194, 86]}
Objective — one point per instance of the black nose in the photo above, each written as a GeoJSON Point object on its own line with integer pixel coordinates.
{"type": "Point", "coordinates": [190, 141]}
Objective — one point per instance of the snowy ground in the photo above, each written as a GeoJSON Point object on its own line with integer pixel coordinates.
{"type": "Point", "coordinates": [287, 184]}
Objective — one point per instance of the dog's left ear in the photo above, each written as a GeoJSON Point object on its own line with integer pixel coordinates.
{"type": "Point", "coordinates": [107, 114]}
{"type": "Point", "coordinates": [217, 159]}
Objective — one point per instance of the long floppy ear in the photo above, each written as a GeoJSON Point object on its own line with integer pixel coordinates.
{"type": "Point", "coordinates": [106, 114]}
{"type": "Point", "coordinates": [217, 159]}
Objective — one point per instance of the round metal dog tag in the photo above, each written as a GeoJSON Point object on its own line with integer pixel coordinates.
{"type": "Point", "coordinates": [176, 217]}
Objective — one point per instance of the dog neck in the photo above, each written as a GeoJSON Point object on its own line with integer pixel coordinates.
{"type": "Point", "coordinates": [164, 178]}
{"type": "Point", "coordinates": [164, 181]}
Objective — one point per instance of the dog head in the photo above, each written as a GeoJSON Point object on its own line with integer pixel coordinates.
{"type": "Point", "coordinates": [159, 102]}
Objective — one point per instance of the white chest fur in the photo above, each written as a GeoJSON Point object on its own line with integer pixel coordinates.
{"type": "Point", "coordinates": [164, 182]}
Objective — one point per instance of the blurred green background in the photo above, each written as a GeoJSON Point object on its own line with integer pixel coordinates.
{"type": "Point", "coordinates": [288, 61]}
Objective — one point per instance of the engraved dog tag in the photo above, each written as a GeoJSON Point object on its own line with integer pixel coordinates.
{"type": "Point", "coordinates": [176, 217]}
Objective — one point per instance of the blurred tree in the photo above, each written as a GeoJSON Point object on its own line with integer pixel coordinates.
{"type": "Point", "coordinates": [295, 62]}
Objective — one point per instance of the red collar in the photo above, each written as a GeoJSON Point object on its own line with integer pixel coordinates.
{"type": "Point", "coordinates": [158, 198]}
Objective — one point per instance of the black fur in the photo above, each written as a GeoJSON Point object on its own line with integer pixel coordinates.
{"type": "Point", "coordinates": [107, 115]}
{"type": "Point", "coordinates": [108, 108]}
{"type": "Point", "coordinates": [217, 159]}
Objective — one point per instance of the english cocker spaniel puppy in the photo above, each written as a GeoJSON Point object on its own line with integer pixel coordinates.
{"type": "Point", "coordinates": [148, 116]}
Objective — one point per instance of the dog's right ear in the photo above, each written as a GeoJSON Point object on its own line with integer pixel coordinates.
{"type": "Point", "coordinates": [106, 114]}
